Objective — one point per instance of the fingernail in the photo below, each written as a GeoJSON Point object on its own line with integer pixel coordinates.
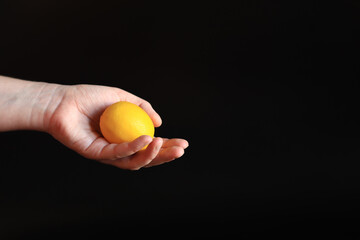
{"type": "Point", "coordinates": [186, 144]}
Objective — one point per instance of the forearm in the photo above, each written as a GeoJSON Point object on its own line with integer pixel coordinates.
{"type": "Point", "coordinates": [23, 104]}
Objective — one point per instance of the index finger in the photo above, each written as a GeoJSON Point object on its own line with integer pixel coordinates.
{"type": "Point", "coordinates": [155, 117]}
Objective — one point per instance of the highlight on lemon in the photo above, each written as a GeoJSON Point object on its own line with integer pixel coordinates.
{"type": "Point", "coordinates": [124, 122]}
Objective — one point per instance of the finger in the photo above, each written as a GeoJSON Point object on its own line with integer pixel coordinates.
{"type": "Point", "coordinates": [100, 149]}
{"type": "Point", "coordinates": [130, 148]}
{"type": "Point", "coordinates": [141, 158]}
{"type": "Point", "coordinates": [155, 117]}
{"type": "Point", "coordinates": [167, 155]}
{"type": "Point", "coordinates": [175, 142]}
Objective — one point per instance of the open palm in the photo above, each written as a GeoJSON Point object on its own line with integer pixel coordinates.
{"type": "Point", "coordinates": [75, 123]}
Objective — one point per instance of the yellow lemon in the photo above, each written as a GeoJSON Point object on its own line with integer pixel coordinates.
{"type": "Point", "coordinates": [124, 122]}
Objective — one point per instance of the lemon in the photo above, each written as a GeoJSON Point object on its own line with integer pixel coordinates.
{"type": "Point", "coordinates": [124, 122]}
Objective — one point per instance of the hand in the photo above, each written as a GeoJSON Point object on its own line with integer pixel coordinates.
{"type": "Point", "coordinates": [73, 119]}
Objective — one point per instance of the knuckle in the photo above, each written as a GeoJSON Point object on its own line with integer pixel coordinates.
{"type": "Point", "coordinates": [130, 150]}
{"type": "Point", "coordinates": [146, 104]}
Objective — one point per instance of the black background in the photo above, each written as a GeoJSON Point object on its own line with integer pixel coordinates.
{"type": "Point", "coordinates": [266, 92]}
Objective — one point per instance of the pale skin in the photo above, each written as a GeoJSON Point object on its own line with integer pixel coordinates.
{"type": "Point", "coordinates": [71, 113]}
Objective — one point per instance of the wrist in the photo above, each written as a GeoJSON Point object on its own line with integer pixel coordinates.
{"type": "Point", "coordinates": [25, 105]}
{"type": "Point", "coordinates": [45, 98]}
